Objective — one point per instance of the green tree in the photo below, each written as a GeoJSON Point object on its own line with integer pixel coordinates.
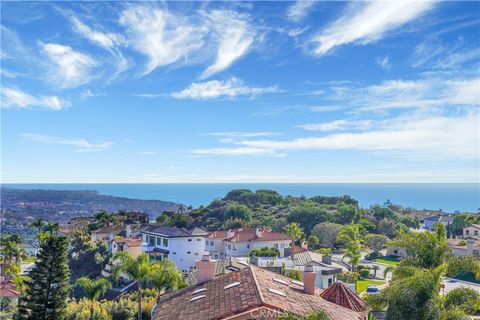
{"type": "Point", "coordinates": [92, 290]}
{"type": "Point", "coordinates": [350, 234]}
{"type": "Point", "coordinates": [327, 232]}
{"type": "Point", "coordinates": [51, 228]}
{"type": "Point", "coordinates": [37, 223]}
{"type": "Point", "coordinates": [294, 231]}
{"type": "Point", "coordinates": [264, 252]}
{"type": "Point", "coordinates": [468, 300]}
{"type": "Point", "coordinates": [48, 286]}
{"type": "Point", "coordinates": [238, 211]}
{"type": "Point", "coordinates": [414, 294]}
{"type": "Point", "coordinates": [312, 241]}
{"type": "Point", "coordinates": [307, 216]}
{"type": "Point", "coordinates": [346, 214]}
{"type": "Point", "coordinates": [162, 275]}
{"type": "Point", "coordinates": [376, 241]}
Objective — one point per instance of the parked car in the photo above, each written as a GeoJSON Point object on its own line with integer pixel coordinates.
{"type": "Point", "coordinates": [372, 289]}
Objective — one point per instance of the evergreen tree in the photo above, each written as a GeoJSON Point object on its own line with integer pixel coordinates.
{"type": "Point", "coordinates": [47, 289]}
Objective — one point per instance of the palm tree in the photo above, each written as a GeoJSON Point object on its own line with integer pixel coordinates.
{"type": "Point", "coordinates": [93, 289]}
{"type": "Point", "coordinates": [161, 275]}
{"type": "Point", "coordinates": [351, 235]}
{"type": "Point", "coordinates": [294, 231]}
{"type": "Point", "coordinates": [38, 223]}
{"type": "Point", "coordinates": [51, 228]}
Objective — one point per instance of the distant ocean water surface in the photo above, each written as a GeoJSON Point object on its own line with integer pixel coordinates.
{"type": "Point", "coordinates": [449, 197]}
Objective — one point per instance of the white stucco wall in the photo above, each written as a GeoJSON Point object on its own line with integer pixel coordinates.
{"type": "Point", "coordinates": [242, 249]}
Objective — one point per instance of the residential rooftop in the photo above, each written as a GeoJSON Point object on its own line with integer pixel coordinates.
{"type": "Point", "coordinates": [173, 232]}
{"type": "Point", "coordinates": [245, 290]}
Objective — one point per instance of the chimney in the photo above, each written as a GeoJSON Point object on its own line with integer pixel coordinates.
{"type": "Point", "coordinates": [309, 276]}
{"type": "Point", "coordinates": [128, 231]}
{"type": "Point", "coordinates": [230, 233]}
{"type": "Point", "coordinates": [470, 245]}
{"type": "Point", "coordinates": [205, 269]}
{"type": "Point", "coordinates": [304, 245]}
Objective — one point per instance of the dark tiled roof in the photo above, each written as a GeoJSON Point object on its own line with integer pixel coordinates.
{"type": "Point", "coordinates": [254, 291]}
{"type": "Point", "coordinates": [339, 293]}
{"type": "Point", "coordinates": [174, 232]}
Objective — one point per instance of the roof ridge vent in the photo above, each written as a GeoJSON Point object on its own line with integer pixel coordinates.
{"type": "Point", "coordinates": [277, 292]}
{"type": "Point", "coordinates": [231, 285]}
{"type": "Point", "coordinates": [197, 298]}
{"type": "Point", "coordinates": [199, 290]}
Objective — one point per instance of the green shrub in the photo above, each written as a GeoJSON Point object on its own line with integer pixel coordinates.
{"type": "Point", "coordinates": [373, 255]}
{"type": "Point", "coordinates": [364, 273]}
{"type": "Point", "coordinates": [295, 274]}
{"type": "Point", "coordinates": [465, 298]}
{"type": "Point", "coordinates": [348, 277]}
{"type": "Point", "coordinates": [462, 243]}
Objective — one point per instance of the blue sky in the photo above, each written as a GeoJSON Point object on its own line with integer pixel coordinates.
{"type": "Point", "coordinates": [240, 92]}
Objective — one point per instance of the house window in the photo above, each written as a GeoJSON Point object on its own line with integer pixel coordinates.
{"type": "Point", "coordinates": [467, 232]}
{"type": "Point", "coordinates": [188, 252]}
{"type": "Point", "coordinates": [190, 240]}
{"type": "Point", "coordinates": [248, 246]}
{"type": "Point", "coordinates": [174, 253]}
{"type": "Point", "coordinates": [159, 241]}
{"type": "Point", "coordinates": [196, 253]}
{"type": "Point", "coordinates": [475, 232]}
{"type": "Point", "coordinates": [199, 239]}
{"type": "Point", "coordinates": [165, 242]}
{"type": "Point", "coordinates": [330, 281]}
{"type": "Point", "coordinates": [282, 245]}
{"type": "Point", "coordinates": [275, 245]}
{"type": "Point", "coordinates": [229, 247]}
{"type": "Point", "coordinates": [212, 243]}
{"type": "Point", "coordinates": [151, 241]}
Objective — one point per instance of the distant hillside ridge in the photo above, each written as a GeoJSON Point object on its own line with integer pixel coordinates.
{"type": "Point", "coordinates": [76, 202]}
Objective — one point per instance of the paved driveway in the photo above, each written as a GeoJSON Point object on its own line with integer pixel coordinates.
{"type": "Point", "coordinates": [451, 284]}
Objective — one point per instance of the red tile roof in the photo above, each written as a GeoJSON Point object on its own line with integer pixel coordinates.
{"type": "Point", "coordinates": [254, 291]}
{"type": "Point", "coordinates": [339, 293]}
{"type": "Point", "coordinates": [131, 242]}
{"type": "Point", "coordinates": [8, 289]}
{"type": "Point", "coordinates": [248, 235]}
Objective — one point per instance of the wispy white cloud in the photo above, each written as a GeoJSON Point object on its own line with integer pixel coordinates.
{"type": "Point", "coordinates": [235, 35]}
{"type": "Point", "coordinates": [16, 98]}
{"type": "Point", "coordinates": [384, 62]}
{"type": "Point", "coordinates": [243, 134]}
{"type": "Point", "coordinates": [366, 22]}
{"type": "Point", "coordinates": [82, 145]}
{"type": "Point", "coordinates": [426, 137]}
{"type": "Point", "coordinates": [299, 10]}
{"type": "Point", "coordinates": [109, 41]}
{"type": "Point", "coordinates": [213, 89]}
{"type": "Point", "coordinates": [68, 68]}
{"type": "Point", "coordinates": [411, 94]}
{"type": "Point", "coordinates": [338, 125]}
{"type": "Point", "coordinates": [164, 38]}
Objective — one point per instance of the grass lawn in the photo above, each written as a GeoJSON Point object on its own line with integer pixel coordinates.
{"type": "Point", "coordinates": [388, 260]}
{"type": "Point", "coordinates": [362, 284]}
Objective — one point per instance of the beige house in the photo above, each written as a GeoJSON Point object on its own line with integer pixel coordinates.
{"type": "Point", "coordinates": [472, 231]}
{"type": "Point", "coordinates": [132, 246]}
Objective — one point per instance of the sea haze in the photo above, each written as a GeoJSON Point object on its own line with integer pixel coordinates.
{"type": "Point", "coordinates": [448, 197]}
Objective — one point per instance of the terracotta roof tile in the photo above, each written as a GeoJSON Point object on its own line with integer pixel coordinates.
{"type": "Point", "coordinates": [339, 293]}
{"type": "Point", "coordinates": [252, 292]}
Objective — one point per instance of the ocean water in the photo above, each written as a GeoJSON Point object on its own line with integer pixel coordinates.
{"type": "Point", "coordinates": [448, 197]}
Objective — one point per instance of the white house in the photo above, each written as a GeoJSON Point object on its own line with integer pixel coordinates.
{"type": "Point", "coordinates": [239, 242]}
{"type": "Point", "coordinates": [182, 246]}
{"type": "Point", "coordinates": [445, 219]}
{"type": "Point", "coordinates": [326, 274]}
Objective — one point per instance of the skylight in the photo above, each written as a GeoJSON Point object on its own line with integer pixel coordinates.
{"type": "Point", "coordinates": [197, 298]}
{"type": "Point", "coordinates": [280, 281]}
{"type": "Point", "coordinates": [231, 285]}
{"type": "Point", "coordinates": [199, 290]}
{"type": "Point", "coordinates": [278, 292]}
{"type": "Point", "coordinates": [243, 262]}
{"type": "Point", "coordinates": [300, 283]}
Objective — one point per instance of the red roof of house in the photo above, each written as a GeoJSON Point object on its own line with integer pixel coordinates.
{"type": "Point", "coordinates": [339, 293]}
{"type": "Point", "coordinates": [131, 242]}
{"type": "Point", "coordinates": [8, 289]}
{"type": "Point", "coordinates": [250, 234]}
{"type": "Point", "coordinates": [256, 288]}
